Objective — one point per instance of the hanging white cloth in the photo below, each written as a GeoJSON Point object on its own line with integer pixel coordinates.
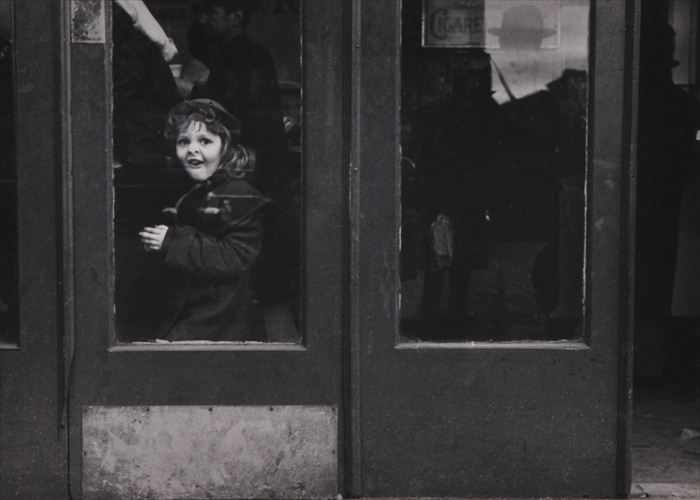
{"type": "Point", "coordinates": [149, 26]}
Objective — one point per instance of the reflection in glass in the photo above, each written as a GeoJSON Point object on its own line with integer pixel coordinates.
{"type": "Point", "coordinates": [8, 185]}
{"type": "Point", "coordinates": [208, 205]}
{"type": "Point", "coordinates": [493, 132]}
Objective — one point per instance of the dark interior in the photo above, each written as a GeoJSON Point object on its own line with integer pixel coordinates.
{"type": "Point", "coordinates": [148, 177]}
{"type": "Point", "coordinates": [665, 443]}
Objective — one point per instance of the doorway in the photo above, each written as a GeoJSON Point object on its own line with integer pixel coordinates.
{"type": "Point", "coordinates": [666, 426]}
{"type": "Point", "coordinates": [527, 411]}
{"type": "Point", "coordinates": [482, 392]}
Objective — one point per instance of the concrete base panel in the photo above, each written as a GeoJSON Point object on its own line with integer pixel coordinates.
{"type": "Point", "coordinates": [209, 452]}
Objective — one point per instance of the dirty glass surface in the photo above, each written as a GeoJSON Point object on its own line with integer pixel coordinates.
{"type": "Point", "coordinates": [208, 198]}
{"type": "Point", "coordinates": [8, 185]}
{"type": "Point", "coordinates": [493, 169]}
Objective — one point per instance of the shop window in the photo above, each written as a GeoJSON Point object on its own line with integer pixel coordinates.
{"type": "Point", "coordinates": [208, 171]}
{"type": "Point", "coordinates": [493, 169]}
{"type": "Point", "coordinates": [8, 185]}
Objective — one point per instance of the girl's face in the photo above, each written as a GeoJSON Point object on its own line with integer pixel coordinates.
{"type": "Point", "coordinates": [199, 151]}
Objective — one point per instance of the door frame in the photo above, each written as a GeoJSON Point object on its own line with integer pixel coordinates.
{"type": "Point", "coordinates": [41, 339]}
{"type": "Point", "coordinates": [373, 270]}
{"type": "Point", "coordinates": [105, 372]}
{"type": "Point", "coordinates": [33, 437]}
{"type": "Point", "coordinates": [628, 216]}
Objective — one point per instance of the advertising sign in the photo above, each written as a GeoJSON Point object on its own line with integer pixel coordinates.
{"type": "Point", "coordinates": [453, 23]}
{"type": "Point", "coordinates": [491, 24]}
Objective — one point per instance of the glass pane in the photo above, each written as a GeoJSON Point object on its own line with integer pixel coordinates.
{"type": "Point", "coordinates": [208, 170]}
{"type": "Point", "coordinates": [8, 185]}
{"type": "Point", "coordinates": [493, 133]}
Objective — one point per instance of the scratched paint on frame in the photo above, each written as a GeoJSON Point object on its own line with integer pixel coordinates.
{"type": "Point", "coordinates": [87, 21]}
{"type": "Point", "coordinates": [209, 452]}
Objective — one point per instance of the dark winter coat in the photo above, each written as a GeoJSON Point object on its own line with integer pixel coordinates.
{"type": "Point", "coordinates": [209, 253]}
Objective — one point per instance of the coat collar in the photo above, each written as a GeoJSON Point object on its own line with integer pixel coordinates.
{"type": "Point", "coordinates": [224, 174]}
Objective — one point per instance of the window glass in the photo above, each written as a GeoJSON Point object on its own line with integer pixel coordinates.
{"type": "Point", "coordinates": [207, 170]}
{"type": "Point", "coordinates": [493, 169]}
{"type": "Point", "coordinates": [8, 184]}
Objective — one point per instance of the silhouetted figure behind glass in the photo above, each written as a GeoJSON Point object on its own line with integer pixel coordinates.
{"type": "Point", "coordinates": [459, 142]}
{"type": "Point", "coordinates": [549, 134]}
{"type": "Point", "coordinates": [669, 119]}
{"type": "Point", "coordinates": [544, 200]}
{"type": "Point", "coordinates": [198, 34]}
{"type": "Point", "coordinates": [243, 78]}
{"type": "Point", "coordinates": [144, 91]}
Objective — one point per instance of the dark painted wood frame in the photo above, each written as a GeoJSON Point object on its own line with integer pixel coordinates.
{"type": "Point", "coordinates": [107, 373]}
{"type": "Point", "coordinates": [598, 366]}
{"type": "Point", "coordinates": [33, 435]}
{"type": "Point", "coordinates": [628, 217]}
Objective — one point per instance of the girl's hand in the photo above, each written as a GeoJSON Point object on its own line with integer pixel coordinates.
{"type": "Point", "coordinates": [152, 237]}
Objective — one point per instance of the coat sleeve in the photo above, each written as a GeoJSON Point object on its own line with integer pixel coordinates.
{"type": "Point", "coordinates": [222, 256]}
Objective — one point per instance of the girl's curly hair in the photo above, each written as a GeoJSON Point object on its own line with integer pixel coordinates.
{"type": "Point", "coordinates": [237, 159]}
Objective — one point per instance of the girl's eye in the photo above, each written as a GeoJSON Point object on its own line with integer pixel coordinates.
{"type": "Point", "coordinates": [182, 142]}
{"type": "Point", "coordinates": [205, 141]}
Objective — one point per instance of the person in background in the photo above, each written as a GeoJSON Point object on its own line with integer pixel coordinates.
{"type": "Point", "coordinates": [195, 71]}
{"type": "Point", "coordinates": [144, 87]}
{"type": "Point", "coordinates": [243, 79]}
{"type": "Point", "coordinates": [457, 155]}
{"type": "Point", "coordinates": [198, 33]}
{"type": "Point", "coordinates": [667, 162]}
{"type": "Point", "coordinates": [669, 119]}
{"type": "Point", "coordinates": [149, 26]}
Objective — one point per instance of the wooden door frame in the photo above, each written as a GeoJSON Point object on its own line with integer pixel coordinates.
{"type": "Point", "coordinates": [619, 223]}
{"type": "Point", "coordinates": [36, 351]}
{"type": "Point", "coordinates": [89, 185]}
{"type": "Point", "coordinates": [33, 439]}
{"type": "Point", "coordinates": [628, 250]}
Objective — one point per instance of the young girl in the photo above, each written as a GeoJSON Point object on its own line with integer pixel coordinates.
{"type": "Point", "coordinates": [215, 238]}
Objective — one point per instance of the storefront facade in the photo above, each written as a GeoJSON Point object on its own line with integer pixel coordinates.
{"type": "Point", "coordinates": [356, 376]}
